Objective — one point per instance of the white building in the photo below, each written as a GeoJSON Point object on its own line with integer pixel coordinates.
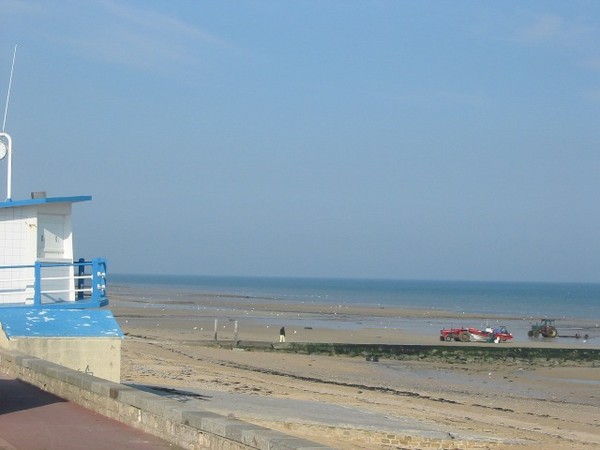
{"type": "Point", "coordinates": [36, 253]}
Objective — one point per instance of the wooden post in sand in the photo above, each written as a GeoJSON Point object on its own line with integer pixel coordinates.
{"type": "Point", "coordinates": [216, 325]}
{"type": "Point", "coordinates": [235, 331]}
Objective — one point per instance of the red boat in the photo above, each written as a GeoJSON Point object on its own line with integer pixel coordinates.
{"type": "Point", "coordinates": [498, 334]}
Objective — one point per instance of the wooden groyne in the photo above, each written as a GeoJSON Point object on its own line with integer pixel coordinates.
{"type": "Point", "coordinates": [438, 353]}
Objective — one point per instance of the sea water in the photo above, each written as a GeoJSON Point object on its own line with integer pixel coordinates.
{"type": "Point", "coordinates": [508, 299]}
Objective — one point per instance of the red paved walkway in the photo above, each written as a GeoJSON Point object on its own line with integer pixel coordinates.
{"type": "Point", "coordinates": [31, 419]}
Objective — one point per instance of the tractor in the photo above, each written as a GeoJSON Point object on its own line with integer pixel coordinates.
{"type": "Point", "coordinates": [545, 327]}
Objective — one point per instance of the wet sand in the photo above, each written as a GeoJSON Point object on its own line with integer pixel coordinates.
{"type": "Point", "coordinates": [350, 402]}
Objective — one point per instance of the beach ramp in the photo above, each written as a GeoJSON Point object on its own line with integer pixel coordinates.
{"type": "Point", "coordinates": [86, 340]}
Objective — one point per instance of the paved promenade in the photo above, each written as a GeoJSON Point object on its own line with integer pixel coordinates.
{"type": "Point", "coordinates": [31, 419]}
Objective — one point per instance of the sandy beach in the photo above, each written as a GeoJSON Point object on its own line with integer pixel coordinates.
{"type": "Point", "coordinates": [349, 402]}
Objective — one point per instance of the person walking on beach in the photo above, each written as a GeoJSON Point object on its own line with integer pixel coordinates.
{"type": "Point", "coordinates": [282, 334]}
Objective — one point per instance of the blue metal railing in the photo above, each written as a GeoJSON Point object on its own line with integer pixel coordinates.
{"type": "Point", "coordinates": [81, 284]}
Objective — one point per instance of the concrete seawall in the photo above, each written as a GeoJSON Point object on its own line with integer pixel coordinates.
{"type": "Point", "coordinates": [184, 426]}
{"type": "Point", "coordinates": [190, 427]}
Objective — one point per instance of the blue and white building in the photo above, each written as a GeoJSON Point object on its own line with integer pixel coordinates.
{"type": "Point", "coordinates": [37, 264]}
{"type": "Point", "coordinates": [51, 302]}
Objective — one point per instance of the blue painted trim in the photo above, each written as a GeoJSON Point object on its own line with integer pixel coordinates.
{"type": "Point", "coordinates": [64, 322]}
{"type": "Point", "coordinates": [80, 304]}
{"type": "Point", "coordinates": [42, 201]}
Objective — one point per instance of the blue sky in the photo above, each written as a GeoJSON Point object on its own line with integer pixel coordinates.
{"type": "Point", "coordinates": [376, 139]}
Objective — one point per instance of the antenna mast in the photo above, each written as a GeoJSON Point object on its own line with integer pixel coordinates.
{"type": "Point", "coordinates": [6, 140]}
{"type": "Point", "coordinates": [12, 68]}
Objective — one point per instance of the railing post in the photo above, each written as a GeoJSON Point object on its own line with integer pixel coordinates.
{"type": "Point", "coordinates": [80, 272]}
{"type": "Point", "coordinates": [95, 281]}
{"type": "Point", "coordinates": [98, 281]}
{"type": "Point", "coordinates": [37, 284]}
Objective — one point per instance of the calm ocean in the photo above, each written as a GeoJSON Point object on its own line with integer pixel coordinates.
{"type": "Point", "coordinates": [557, 300]}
